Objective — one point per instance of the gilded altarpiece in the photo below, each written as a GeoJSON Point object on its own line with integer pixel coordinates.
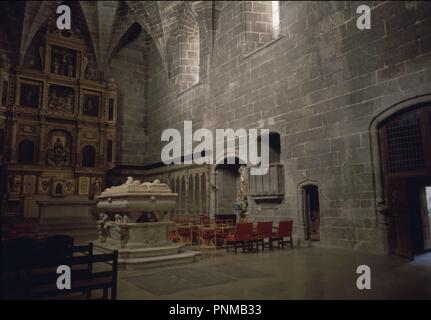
{"type": "Point", "coordinates": [57, 129]}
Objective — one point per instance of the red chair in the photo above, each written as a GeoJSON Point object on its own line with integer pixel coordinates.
{"type": "Point", "coordinates": [185, 234]}
{"type": "Point", "coordinates": [263, 231]}
{"type": "Point", "coordinates": [243, 235]}
{"type": "Point", "coordinates": [284, 231]}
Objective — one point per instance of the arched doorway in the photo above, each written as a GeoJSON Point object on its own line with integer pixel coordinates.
{"type": "Point", "coordinates": [311, 212]}
{"type": "Point", "coordinates": [227, 186]}
{"type": "Point", "coordinates": [405, 153]}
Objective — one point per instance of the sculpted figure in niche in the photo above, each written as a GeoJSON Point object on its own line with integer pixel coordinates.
{"type": "Point", "coordinates": [56, 66]}
{"type": "Point", "coordinates": [70, 69]}
{"type": "Point", "coordinates": [58, 151]}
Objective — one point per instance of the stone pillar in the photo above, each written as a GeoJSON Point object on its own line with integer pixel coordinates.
{"type": "Point", "coordinates": [77, 160]}
{"type": "Point", "coordinates": [42, 141]}
{"type": "Point", "coordinates": [213, 193]}
{"type": "Point", "coordinates": [199, 193]}
{"type": "Point", "coordinates": [13, 150]}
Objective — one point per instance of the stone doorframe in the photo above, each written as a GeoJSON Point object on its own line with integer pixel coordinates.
{"type": "Point", "coordinates": [377, 175]}
{"type": "Point", "coordinates": [302, 224]}
{"type": "Point", "coordinates": [213, 182]}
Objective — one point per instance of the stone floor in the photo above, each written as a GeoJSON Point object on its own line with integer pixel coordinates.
{"type": "Point", "coordinates": [300, 273]}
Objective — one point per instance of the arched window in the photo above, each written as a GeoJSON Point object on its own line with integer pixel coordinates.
{"type": "Point", "coordinates": [89, 157]}
{"type": "Point", "coordinates": [26, 152]}
{"type": "Point", "coordinates": [262, 23]}
{"type": "Point", "coordinates": [404, 140]}
{"type": "Point", "coordinates": [275, 6]}
{"type": "Point", "coordinates": [109, 151]}
{"type": "Point", "coordinates": [189, 47]}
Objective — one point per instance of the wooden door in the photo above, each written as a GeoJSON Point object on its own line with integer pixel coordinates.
{"type": "Point", "coordinates": [400, 222]}
{"type": "Point", "coordinates": [425, 219]}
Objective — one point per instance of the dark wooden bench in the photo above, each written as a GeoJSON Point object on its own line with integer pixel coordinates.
{"type": "Point", "coordinates": [37, 278]}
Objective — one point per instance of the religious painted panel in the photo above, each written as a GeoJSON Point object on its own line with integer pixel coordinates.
{"type": "Point", "coordinates": [61, 99]}
{"type": "Point", "coordinates": [30, 94]}
{"type": "Point", "coordinates": [59, 146]}
{"type": "Point", "coordinates": [91, 105]}
{"type": "Point", "coordinates": [63, 61]}
{"type": "Point", "coordinates": [29, 186]}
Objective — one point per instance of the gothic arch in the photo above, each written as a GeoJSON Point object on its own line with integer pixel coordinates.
{"type": "Point", "coordinates": [377, 119]}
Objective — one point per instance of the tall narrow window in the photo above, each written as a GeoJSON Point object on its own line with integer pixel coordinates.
{"type": "Point", "coordinates": [109, 156]}
{"type": "Point", "coordinates": [275, 18]}
{"type": "Point", "coordinates": [111, 110]}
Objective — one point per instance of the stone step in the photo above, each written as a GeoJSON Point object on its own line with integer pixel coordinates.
{"type": "Point", "coordinates": [146, 258]}
{"type": "Point", "coordinates": [159, 261]}
{"type": "Point", "coordinates": [150, 252]}
{"type": "Point", "coordinates": [127, 253]}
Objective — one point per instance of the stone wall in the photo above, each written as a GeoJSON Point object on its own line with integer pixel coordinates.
{"type": "Point", "coordinates": [319, 85]}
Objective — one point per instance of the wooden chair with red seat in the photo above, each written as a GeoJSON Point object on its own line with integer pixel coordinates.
{"type": "Point", "coordinates": [185, 234]}
{"type": "Point", "coordinates": [243, 235]}
{"type": "Point", "coordinates": [263, 231]}
{"type": "Point", "coordinates": [284, 230]}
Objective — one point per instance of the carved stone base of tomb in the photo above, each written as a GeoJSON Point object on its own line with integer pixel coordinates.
{"type": "Point", "coordinates": [139, 244]}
